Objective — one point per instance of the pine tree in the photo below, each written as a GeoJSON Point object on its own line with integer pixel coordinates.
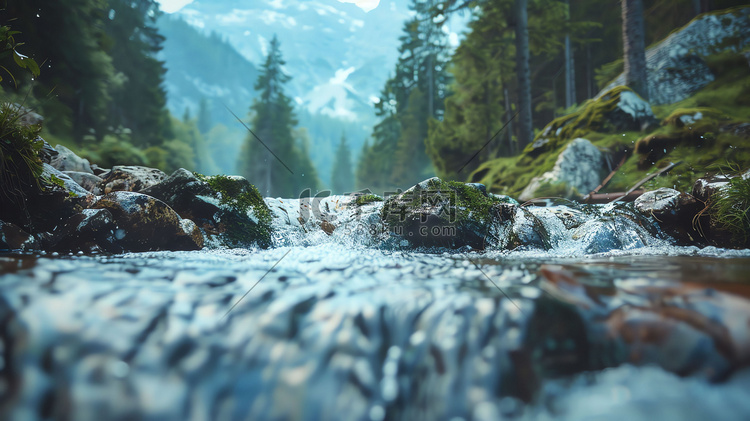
{"type": "Point", "coordinates": [67, 40]}
{"type": "Point", "coordinates": [397, 156]}
{"type": "Point", "coordinates": [273, 121]}
{"type": "Point", "coordinates": [139, 102]}
{"type": "Point", "coordinates": [204, 116]}
{"type": "Point", "coordinates": [342, 179]}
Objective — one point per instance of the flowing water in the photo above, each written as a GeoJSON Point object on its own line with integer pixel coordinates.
{"type": "Point", "coordinates": [345, 326]}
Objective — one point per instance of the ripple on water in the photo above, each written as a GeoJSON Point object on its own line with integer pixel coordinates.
{"type": "Point", "coordinates": [332, 328]}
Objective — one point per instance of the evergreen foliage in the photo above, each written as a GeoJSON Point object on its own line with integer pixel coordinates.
{"type": "Point", "coordinates": [139, 100]}
{"type": "Point", "coordinates": [413, 96]}
{"type": "Point", "coordinates": [484, 66]}
{"type": "Point", "coordinates": [273, 121]}
{"type": "Point", "coordinates": [342, 178]}
{"type": "Point", "coordinates": [100, 85]}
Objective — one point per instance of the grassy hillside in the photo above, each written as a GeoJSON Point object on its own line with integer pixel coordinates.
{"type": "Point", "coordinates": [718, 135]}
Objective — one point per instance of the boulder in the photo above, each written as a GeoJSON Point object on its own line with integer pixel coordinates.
{"type": "Point", "coordinates": [190, 197]}
{"type": "Point", "coordinates": [92, 230]}
{"type": "Point", "coordinates": [675, 65]}
{"type": "Point", "coordinates": [145, 223]}
{"type": "Point", "coordinates": [435, 213]}
{"type": "Point", "coordinates": [13, 238]}
{"type": "Point", "coordinates": [577, 167]}
{"type": "Point", "coordinates": [67, 160]}
{"type": "Point", "coordinates": [132, 178]}
{"type": "Point", "coordinates": [98, 171]}
{"type": "Point", "coordinates": [631, 113]}
{"type": "Point", "coordinates": [615, 111]}
{"type": "Point", "coordinates": [673, 210]}
{"type": "Point", "coordinates": [47, 153]}
{"type": "Point", "coordinates": [26, 117]}
{"type": "Point", "coordinates": [228, 209]}
{"type": "Point", "coordinates": [521, 229]}
{"type": "Point", "coordinates": [704, 188]}
{"type": "Point", "coordinates": [86, 180]}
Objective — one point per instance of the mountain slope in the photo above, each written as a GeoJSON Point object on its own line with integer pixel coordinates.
{"type": "Point", "coordinates": [204, 66]}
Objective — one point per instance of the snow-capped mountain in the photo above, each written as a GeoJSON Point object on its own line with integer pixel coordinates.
{"type": "Point", "coordinates": [338, 55]}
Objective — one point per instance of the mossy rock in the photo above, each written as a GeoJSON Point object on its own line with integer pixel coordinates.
{"type": "Point", "coordinates": [618, 110]}
{"type": "Point", "coordinates": [366, 199]}
{"type": "Point", "coordinates": [437, 213]}
{"type": "Point", "coordinates": [227, 208]}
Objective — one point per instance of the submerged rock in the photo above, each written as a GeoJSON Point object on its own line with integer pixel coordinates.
{"type": "Point", "coordinates": [145, 223]}
{"type": "Point", "coordinates": [687, 329]}
{"type": "Point", "coordinates": [130, 178]}
{"type": "Point", "coordinates": [436, 213]}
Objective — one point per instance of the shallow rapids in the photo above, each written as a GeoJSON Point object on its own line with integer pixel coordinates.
{"type": "Point", "coordinates": [329, 331]}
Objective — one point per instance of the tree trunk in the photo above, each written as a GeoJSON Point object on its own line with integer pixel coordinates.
{"type": "Point", "coordinates": [589, 73]}
{"type": "Point", "coordinates": [509, 129]}
{"type": "Point", "coordinates": [525, 130]}
{"type": "Point", "coordinates": [633, 40]}
{"type": "Point", "coordinates": [570, 75]}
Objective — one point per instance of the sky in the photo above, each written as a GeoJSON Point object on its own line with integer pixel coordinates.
{"type": "Point", "coordinates": [171, 6]}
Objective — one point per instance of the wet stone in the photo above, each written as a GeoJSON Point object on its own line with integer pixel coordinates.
{"type": "Point", "coordinates": [86, 180]}
{"type": "Point", "coordinates": [132, 178]}
{"type": "Point", "coordinates": [673, 211]}
{"type": "Point", "coordinates": [14, 238]}
{"type": "Point", "coordinates": [146, 223]}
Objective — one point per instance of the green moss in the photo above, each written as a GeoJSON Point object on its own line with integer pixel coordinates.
{"type": "Point", "coordinates": [590, 117]}
{"type": "Point", "coordinates": [467, 203]}
{"type": "Point", "coordinates": [237, 197]}
{"type": "Point", "coordinates": [557, 190]}
{"type": "Point", "coordinates": [241, 198]}
{"type": "Point", "coordinates": [367, 198]}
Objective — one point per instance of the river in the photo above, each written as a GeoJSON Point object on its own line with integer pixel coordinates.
{"type": "Point", "coordinates": [332, 327]}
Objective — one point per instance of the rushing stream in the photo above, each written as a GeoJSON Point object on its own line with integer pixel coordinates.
{"type": "Point", "coordinates": [332, 327]}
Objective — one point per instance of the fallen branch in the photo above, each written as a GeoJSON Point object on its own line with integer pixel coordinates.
{"type": "Point", "coordinates": [606, 180]}
{"type": "Point", "coordinates": [649, 178]}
